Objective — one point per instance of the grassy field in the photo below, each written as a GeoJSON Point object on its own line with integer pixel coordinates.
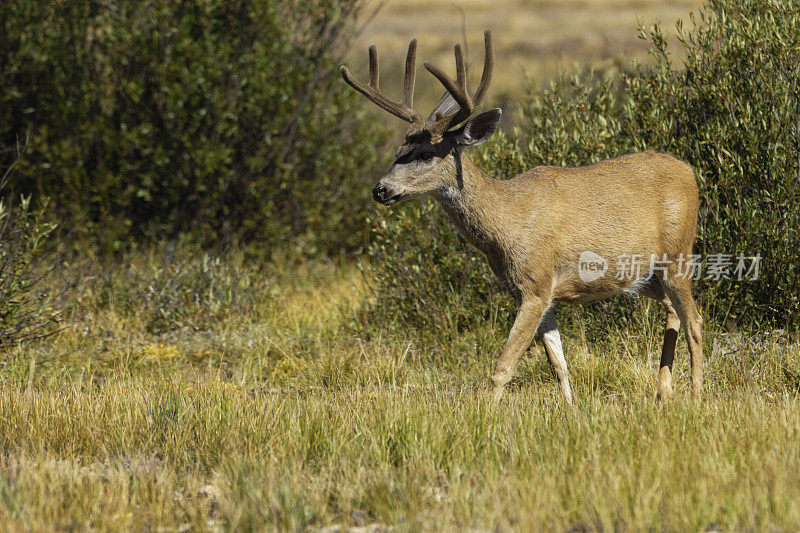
{"type": "Point", "coordinates": [273, 405]}
{"type": "Point", "coordinates": [187, 392]}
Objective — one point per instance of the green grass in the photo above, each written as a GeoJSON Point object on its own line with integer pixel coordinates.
{"type": "Point", "coordinates": [288, 413]}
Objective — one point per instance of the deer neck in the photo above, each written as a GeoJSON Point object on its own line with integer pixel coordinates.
{"type": "Point", "coordinates": [474, 203]}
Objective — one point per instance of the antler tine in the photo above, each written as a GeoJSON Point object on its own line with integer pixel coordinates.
{"type": "Point", "coordinates": [374, 73]}
{"type": "Point", "coordinates": [458, 87]}
{"type": "Point", "coordinates": [461, 70]}
{"type": "Point", "coordinates": [488, 67]}
{"type": "Point", "coordinates": [411, 74]}
{"type": "Point", "coordinates": [402, 108]}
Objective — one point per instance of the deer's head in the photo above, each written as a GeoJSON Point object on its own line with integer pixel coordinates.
{"type": "Point", "coordinates": [427, 160]}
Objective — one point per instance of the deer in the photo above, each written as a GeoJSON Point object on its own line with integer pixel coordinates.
{"type": "Point", "coordinates": [550, 234]}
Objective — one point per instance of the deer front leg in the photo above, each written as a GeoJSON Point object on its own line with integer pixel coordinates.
{"type": "Point", "coordinates": [525, 326]}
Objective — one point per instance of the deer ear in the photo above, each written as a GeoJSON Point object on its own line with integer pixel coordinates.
{"type": "Point", "coordinates": [447, 106]}
{"type": "Point", "coordinates": [479, 128]}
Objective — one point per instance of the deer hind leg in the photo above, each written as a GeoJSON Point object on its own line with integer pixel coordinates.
{"type": "Point", "coordinates": [551, 339]}
{"type": "Point", "coordinates": [664, 387]}
{"type": "Point", "coordinates": [655, 290]}
{"type": "Point", "coordinates": [680, 294]}
{"type": "Point", "coordinates": [525, 326]}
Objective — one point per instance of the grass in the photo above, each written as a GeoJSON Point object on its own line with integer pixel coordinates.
{"type": "Point", "coordinates": [287, 412]}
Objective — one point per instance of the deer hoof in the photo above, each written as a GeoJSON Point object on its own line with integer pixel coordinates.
{"type": "Point", "coordinates": [497, 393]}
{"type": "Point", "coordinates": [663, 394]}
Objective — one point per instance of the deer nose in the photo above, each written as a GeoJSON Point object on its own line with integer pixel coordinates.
{"type": "Point", "coordinates": [379, 193]}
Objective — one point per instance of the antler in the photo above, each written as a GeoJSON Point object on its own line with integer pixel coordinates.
{"type": "Point", "coordinates": [402, 108]}
{"type": "Point", "coordinates": [441, 122]}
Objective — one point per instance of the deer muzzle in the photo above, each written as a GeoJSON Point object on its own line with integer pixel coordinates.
{"type": "Point", "coordinates": [383, 195]}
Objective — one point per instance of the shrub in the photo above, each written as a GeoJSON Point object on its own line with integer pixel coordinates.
{"type": "Point", "coordinates": [27, 306]}
{"type": "Point", "coordinates": [730, 107]}
{"type": "Point", "coordinates": [225, 120]}
{"type": "Point", "coordinates": [427, 277]}
{"type": "Point", "coordinates": [733, 113]}
{"type": "Point", "coordinates": [174, 286]}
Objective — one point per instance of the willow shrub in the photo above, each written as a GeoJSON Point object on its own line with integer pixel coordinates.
{"type": "Point", "coordinates": [727, 102]}
{"type": "Point", "coordinates": [29, 308]}
{"type": "Point", "coordinates": [222, 120]}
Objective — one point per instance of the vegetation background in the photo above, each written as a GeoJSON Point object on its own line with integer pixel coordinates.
{"type": "Point", "coordinates": [206, 324]}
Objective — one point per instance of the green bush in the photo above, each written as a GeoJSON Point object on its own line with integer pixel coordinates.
{"type": "Point", "coordinates": [27, 306]}
{"type": "Point", "coordinates": [729, 106]}
{"type": "Point", "coordinates": [733, 112]}
{"type": "Point", "coordinates": [224, 120]}
{"type": "Point", "coordinates": [425, 276]}
{"type": "Point", "coordinates": [172, 286]}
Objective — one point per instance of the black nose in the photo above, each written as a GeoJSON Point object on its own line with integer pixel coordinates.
{"type": "Point", "coordinates": [379, 193]}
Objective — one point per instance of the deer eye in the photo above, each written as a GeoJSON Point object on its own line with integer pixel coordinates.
{"type": "Point", "coordinates": [427, 155]}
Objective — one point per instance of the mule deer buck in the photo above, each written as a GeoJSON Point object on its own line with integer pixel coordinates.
{"type": "Point", "coordinates": [538, 227]}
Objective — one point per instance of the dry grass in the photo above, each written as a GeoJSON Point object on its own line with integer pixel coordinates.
{"type": "Point", "coordinates": [293, 417]}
